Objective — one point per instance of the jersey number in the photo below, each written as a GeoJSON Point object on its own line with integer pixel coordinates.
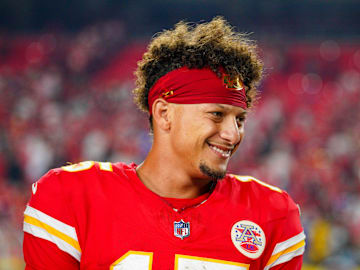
{"type": "Point", "coordinates": [86, 165]}
{"type": "Point", "coordinates": [139, 260]}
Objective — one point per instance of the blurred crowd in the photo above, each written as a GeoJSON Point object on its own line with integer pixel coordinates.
{"type": "Point", "coordinates": [67, 98]}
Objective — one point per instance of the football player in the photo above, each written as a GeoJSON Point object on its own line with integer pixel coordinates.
{"type": "Point", "coordinates": [178, 209]}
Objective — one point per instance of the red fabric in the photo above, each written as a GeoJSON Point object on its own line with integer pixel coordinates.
{"type": "Point", "coordinates": [114, 213]}
{"type": "Point", "coordinates": [294, 264]}
{"type": "Point", "coordinates": [186, 203]}
{"type": "Point", "coordinates": [40, 254]}
{"type": "Point", "coordinates": [195, 86]}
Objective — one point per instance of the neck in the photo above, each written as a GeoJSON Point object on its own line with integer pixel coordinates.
{"type": "Point", "coordinates": [164, 176]}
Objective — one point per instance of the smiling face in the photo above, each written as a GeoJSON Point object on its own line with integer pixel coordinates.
{"type": "Point", "coordinates": [205, 136]}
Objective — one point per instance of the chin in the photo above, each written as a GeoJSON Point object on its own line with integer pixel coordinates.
{"type": "Point", "coordinates": [215, 174]}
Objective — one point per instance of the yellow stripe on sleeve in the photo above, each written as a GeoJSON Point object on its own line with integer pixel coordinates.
{"type": "Point", "coordinates": [276, 256]}
{"type": "Point", "coordinates": [33, 221]}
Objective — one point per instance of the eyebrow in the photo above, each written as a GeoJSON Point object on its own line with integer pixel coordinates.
{"type": "Point", "coordinates": [243, 113]}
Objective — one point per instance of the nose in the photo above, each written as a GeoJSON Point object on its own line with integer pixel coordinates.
{"type": "Point", "coordinates": [230, 131]}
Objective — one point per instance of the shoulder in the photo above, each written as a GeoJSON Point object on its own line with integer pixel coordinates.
{"type": "Point", "coordinates": [87, 171]}
{"type": "Point", "coordinates": [262, 195]}
{"type": "Point", "coordinates": [78, 177]}
{"type": "Point", "coordinates": [64, 198]}
{"type": "Point", "coordinates": [57, 191]}
{"type": "Point", "coordinates": [254, 183]}
{"type": "Point", "coordinates": [253, 187]}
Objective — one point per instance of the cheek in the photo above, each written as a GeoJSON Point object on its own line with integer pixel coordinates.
{"type": "Point", "coordinates": [241, 133]}
{"type": "Point", "coordinates": [182, 133]}
{"type": "Point", "coordinates": [182, 127]}
{"type": "Point", "coordinates": [191, 133]}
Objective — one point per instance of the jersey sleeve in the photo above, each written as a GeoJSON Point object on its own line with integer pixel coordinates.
{"type": "Point", "coordinates": [50, 238]}
{"type": "Point", "coordinates": [289, 249]}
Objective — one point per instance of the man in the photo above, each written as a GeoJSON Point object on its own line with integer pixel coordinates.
{"type": "Point", "coordinates": [178, 209]}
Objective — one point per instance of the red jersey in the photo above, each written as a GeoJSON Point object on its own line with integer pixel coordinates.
{"type": "Point", "coordinates": [101, 216]}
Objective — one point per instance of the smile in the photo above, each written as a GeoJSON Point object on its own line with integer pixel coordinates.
{"type": "Point", "coordinates": [222, 152]}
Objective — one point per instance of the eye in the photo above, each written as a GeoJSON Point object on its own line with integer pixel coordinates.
{"type": "Point", "coordinates": [240, 120]}
{"type": "Point", "coordinates": [217, 114]}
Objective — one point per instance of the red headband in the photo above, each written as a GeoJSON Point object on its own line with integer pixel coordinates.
{"type": "Point", "coordinates": [194, 86]}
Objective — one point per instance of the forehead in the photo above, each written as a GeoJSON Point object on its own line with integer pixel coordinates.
{"type": "Point", "coordinates": [222, 107]}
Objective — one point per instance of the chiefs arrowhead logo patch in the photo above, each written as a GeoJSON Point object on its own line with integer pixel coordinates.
{"type": "Point", "coordinates": [232, 84]}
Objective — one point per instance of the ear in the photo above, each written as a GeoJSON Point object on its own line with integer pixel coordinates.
{"type": "Point", "coordinates": [161, 114]}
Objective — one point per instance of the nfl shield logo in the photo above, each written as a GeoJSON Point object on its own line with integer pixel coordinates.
{"type": "Point", "coordinates": [181, 229]}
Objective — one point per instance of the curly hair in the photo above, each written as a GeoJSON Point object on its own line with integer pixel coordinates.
{"type": "Point", "coordinates": [214, 44]}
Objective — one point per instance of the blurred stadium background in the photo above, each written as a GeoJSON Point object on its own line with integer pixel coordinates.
{"type": "Point", "coordinates": [65, 96]}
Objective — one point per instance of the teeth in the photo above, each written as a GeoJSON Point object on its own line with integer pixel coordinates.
{"type": "Point", "coordinates": [220, 151]}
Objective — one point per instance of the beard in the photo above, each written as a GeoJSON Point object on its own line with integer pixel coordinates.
{"type": "Point", "coordinates": [213, 174]}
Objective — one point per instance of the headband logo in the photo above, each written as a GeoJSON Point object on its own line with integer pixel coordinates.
{"type": "Point", "coordinates": [232, 84]}
{"type": "Point", "coordinates": [167, 94]}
